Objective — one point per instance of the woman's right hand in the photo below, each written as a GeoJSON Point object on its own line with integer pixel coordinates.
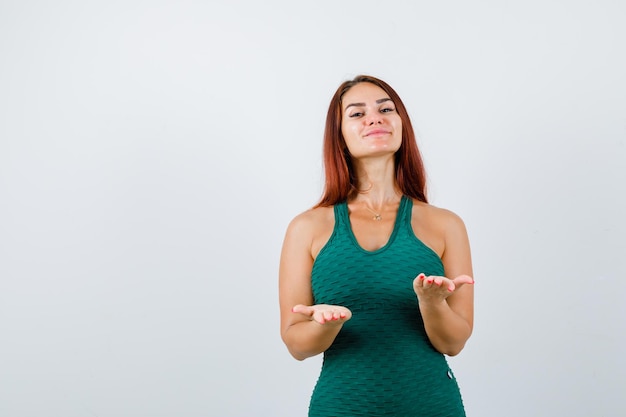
{"type": "Point", "coordinates": [324, 313]}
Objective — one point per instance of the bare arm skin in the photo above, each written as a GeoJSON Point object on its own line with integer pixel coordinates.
{"type": "Point", "coordinates": [447, 304]}
{"type": "Point", "coordinates": [306, 329]}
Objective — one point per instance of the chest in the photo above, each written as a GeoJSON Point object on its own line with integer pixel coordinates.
{"type": "Point", "coordinates": [371, 234]}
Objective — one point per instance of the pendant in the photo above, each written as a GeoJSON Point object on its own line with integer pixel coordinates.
{"type": "Point", "coordinates": [377, 217]}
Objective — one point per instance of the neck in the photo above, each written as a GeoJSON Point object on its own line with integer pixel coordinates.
{"type": "Point", "coordinates": [377, 182]}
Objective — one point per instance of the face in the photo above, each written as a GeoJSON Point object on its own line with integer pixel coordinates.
{"type": "Point", "coordinates": [370, 123]}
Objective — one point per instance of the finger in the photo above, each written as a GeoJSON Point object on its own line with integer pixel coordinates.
{"type": "Point", "coordinates": [341, 315]}
{"type": "Point", "coordinates": [446, 283]}
{"type": "Point", "coordinates": [324, 315]}
{"type": "Point", "coordinates": [329, 315]}
{"type": "Point", "coordinates": [318, 316]}
{"type": "Point", "coordinates": [428, 282]}
{"type": "Point", "coordinates": [419, 280]}
{"type": "Point", "coordinates": [443, 283]}
{"type": "Point", "coordinates": [323, 318]}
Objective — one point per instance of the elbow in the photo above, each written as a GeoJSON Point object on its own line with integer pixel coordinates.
{"type": "Point", "coordinates": [453, 351]}
{"type": "Point", "coordinates": [450, 349]}
{"type": "Point", "coordinates": [299, 352]}
{"type": "Point", "coordinates": [454, 346]}
{"type": "Point", "coordinates": [297, 355]}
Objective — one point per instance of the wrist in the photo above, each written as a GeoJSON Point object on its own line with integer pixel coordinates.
{"type": "Point", "coordinates": [432, 304]}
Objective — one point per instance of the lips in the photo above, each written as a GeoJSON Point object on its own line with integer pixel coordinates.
{"type": "Point", "coordinates": [377, 132]}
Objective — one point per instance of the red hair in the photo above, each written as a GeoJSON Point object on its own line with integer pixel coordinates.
{"type": "Point", "coordinates": [341, 182]}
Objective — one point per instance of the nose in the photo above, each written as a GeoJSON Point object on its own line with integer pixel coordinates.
{"type": "Point", "coordinates": [374, 118]}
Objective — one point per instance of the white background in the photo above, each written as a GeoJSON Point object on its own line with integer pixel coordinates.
{"type": "Point", "coordinates": [152, 154]}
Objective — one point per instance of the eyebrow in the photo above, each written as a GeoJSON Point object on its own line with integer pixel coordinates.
{"type": "Point", "coordinates": [380, 100]}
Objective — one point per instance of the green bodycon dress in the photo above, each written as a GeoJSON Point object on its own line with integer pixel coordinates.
{"type": "Point", "coordinates": [381, 363]}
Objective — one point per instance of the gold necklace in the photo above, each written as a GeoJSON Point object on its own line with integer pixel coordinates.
{"type": "Point", "coordinates": [376, 217]}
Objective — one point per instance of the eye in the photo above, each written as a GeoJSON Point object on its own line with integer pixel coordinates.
{"type": "Point", "coordinates": [387, 110]}
{"type": "Point", "coordinates": [356, 114]}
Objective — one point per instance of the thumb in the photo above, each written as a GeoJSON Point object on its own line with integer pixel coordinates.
{"type": "Point", "coordinates": [302, 309]}
{"type": "Point", "coordinates": [462, 279]}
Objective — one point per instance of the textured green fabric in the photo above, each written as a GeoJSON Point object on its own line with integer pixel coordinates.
{"type": "Point", "coordinates": [381, 363]}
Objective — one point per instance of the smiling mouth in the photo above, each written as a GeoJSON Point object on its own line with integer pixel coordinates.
{"type": "Point", "coordinates": [377, 132]}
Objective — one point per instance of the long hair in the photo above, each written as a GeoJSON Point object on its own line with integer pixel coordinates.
{"type": "Point", "coordinates": [341, 182]}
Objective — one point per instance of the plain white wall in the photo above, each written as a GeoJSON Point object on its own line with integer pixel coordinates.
{"type": "Point", "coordinates": [153, 152]}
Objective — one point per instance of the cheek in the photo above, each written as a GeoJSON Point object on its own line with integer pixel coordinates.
{"type": "Point", "coordinates": [397, 128]}
{"type": "Point", "coordinates": [397, 124]}
{"type": "Point", "coordinates": [348, 131]}
{"type": "Point", "coordinates": [350, 138]}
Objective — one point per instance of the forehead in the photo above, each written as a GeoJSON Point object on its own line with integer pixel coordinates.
{"type": "Point", "coordinates": [363, 93]}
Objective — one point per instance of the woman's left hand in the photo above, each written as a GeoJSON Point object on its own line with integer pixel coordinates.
{"type": "Point", "coordinates": [433, 289]}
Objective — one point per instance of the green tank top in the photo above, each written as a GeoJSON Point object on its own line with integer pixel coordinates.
{"type": "Point", "coordinates": [381, 362]}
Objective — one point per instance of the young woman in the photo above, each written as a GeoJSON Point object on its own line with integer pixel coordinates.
{"type": "Point", "coordinates": [373, 276]}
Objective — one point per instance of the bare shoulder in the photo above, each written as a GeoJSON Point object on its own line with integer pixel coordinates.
{"type": "Point", "coordinates": [312, 228]}
{"type": "Point", "coordinates": [443, 219]}
{"type": "Point", "coordinates": [437, 227]}
{"type": "Point", "coordinates": [311, 219]}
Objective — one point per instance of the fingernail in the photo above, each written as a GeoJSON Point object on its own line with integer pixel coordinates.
{"type": "Point", "coordinates": [293, 309]}
{"type": "Point", "coordinates": [430, 281]}
{"type": "Point", "coordinates": [422, 276]}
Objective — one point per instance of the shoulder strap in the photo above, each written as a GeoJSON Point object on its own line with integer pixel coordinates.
{"type": "Point", "coordinates": [405, 210]}
{"type": "Point", "coordinates": [341, 214]}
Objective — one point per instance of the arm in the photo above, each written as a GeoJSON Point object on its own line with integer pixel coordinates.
{"type": "Point", "coordinates": [447, 305]}
{"type": "Point", "coordinates": [306, 330]}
